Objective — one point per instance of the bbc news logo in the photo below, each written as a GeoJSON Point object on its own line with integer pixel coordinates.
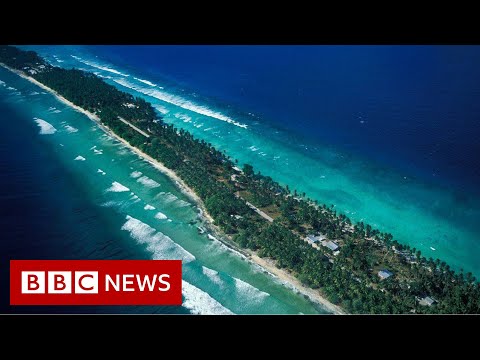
{"type": "Point", "coordinates": [59, 282]}
{"type": "Point", "coordinates": [95, 282]}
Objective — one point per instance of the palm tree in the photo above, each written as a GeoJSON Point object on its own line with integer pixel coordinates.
{"type": "Point", "coordinates": [470, 277]}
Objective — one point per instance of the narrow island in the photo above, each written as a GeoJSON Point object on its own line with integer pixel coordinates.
{"type": "Point", "coordinates": [349, 268]}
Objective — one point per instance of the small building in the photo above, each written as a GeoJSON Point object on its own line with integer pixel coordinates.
{"type": "Point", "coordinates": [335, 253]}
{"type": "Point", "coordinates": [384, 274]}
{"type": "Point", "coordinates": [427, 301]}
{"type": "Point", "coordinates": [329, 244]}
{"type": "Point", "coordinates": [311, 239]}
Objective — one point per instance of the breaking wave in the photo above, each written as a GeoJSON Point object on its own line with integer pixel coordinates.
{"type": "Point", "coordinates": [199, 302]}
{"type": "Point", "coordinates": [98, 66]}
{"type": "Point", "coordinates": [148, 182]}
{"type": "Point", "coordinates": [136, 174]}
{"type": "Point", "coordinates": [162, 109]}
{"type": "Point", "coordinates": [249, 291]}
{"type": "Point", "coordinates": [70, 129]}
{"type": "Point", "coordinates": [182, 203]}
{"type": "Point", "coordinates": [179, 101]}
{"type": "Point", "coordinates": [146, 82]}
{"type": "Point", "coordinates": [160, 216]}
{"type": "Point", "coordinates": [117, 187]}
{"type": "Point", "coordinates": [183, 117]}
{"type": "Point", "coordinates": [167, 197]}
{"type": "Point", "coordinates": [45, 127]}
{"type": "Point", "coordinates": [212, 275]}
{"type": "Point", "coordinates": [159, 244]}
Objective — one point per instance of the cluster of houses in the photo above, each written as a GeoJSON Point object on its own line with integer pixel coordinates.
{"type": "Point", "coordinates": [322, 240]}
{"type": "Point", "coordinates": [383, 274]}
{"type": "Point", "coordinates": [411, 258]}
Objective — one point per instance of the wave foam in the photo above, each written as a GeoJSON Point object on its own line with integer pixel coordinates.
{"type": "Point", "coordinates": [160, 216]}
{"type": "Point", "coordinates": [145, 180]}
{"type": "Point", "coordinates": [57, 59]}
{"type": "Point", "coordinates": [45, 127]}
{"type": "Point", "coordinates": [212, 275]}
{"type": "Point", "coordinates": [183, 117]}
{"type": "Point", "coordinates": [135, 199]}
{"type": "Point", "coordinates": [159, 244]}
{"type": "Point", "coordinates": [249, 291]}
{"type": "Point", "coordinates": [149, 207]}
{"type": "Point", "coordinates": [145, 82]}
{"type": "Point", "coordinates": [101, 172]}
{"type": "Point", "coordinates": [182, 203]}
{"type": "Point", "coordinates": [162, 109]}
{"type": "Point", "coordinates": [98, 66]}
{"type": "Point", "coordinates": [2, 83]}
{"type": "Point", "coordinates": [179, 101]}
{"type": "Point", "coordinates": [112, 203]}
{"type": "Point", "coordinates": [80, 158]}
{"type": "Point", "coordinates": [167, 197]}
{"type": "Point", "coordinates": [199, 302]}
{"type": "Point", "coordinates": [211, 237]}
{"type": "Point", "coordinates": [117, 187]}
{"type": "Point", "coordinates": [136, 174]}
{"type": "Point", "coordinates": [70, 129]}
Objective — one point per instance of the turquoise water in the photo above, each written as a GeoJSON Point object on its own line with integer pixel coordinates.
{"type": "Point", "coordinates": [439, 220]}
{"type": "Point", "coordinates": [142, 209]}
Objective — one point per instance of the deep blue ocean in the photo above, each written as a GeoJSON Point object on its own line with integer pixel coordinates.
{"type": "Point", "coordinates": [45, 213]}
{"type": "Point", "coordinates": [413, 107]}
{"type": "Point", "coordinates": [388, 134]}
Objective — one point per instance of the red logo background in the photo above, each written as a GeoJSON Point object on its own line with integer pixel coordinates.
{"type": "Point", "coordinates": [111, 267]}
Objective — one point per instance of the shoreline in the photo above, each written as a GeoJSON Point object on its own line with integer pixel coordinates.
{"type": "Point", "coordinates": [268, 265]}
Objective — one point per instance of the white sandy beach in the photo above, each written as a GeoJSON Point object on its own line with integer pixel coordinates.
{"type": "Point", "coordinates": [267, 264]}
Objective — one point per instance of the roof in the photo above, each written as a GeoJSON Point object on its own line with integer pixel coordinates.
{"type": "Point", "coordinates": [311, 238]}
{"type": "Point", "coordinates": [428, 301]}
{"type": "Point", "coordinates": [331, 245]}
{"type": "Point", "coordinates": [385, 274]}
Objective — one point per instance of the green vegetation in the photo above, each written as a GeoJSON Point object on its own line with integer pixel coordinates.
{"type": "Point", "coordinates": [348, 277]}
